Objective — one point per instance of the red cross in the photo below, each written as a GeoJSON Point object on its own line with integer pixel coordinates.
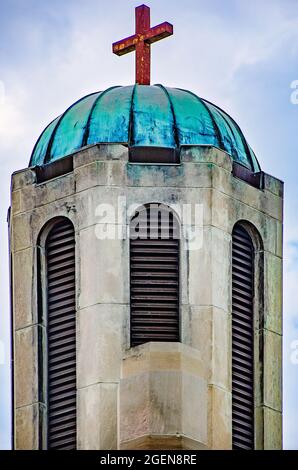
{"type": "Point", "coordinates": [141, 42]}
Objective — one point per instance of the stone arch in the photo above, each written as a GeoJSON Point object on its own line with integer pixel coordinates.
{"type": "Point", "coordinates": [154, 274]}
{"type": "Point", "coordinates": [245, 298]}
{"type": "Point", "coordinates": [56, 274]}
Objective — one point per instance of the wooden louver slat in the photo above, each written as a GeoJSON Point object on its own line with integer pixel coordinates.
{"type": "Point", "coordinates": [242, 340]}
{"type": "Point", "coordinates": [154, 277]}
{"type": "Point", "coordinates": [61, 337]}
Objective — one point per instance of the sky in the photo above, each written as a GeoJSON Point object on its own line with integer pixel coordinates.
{"type": "Point", "coordinates": [241, 55]}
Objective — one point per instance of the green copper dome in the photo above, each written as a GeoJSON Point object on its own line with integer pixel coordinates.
{"type": "Point", "coordinates": [141, 115]}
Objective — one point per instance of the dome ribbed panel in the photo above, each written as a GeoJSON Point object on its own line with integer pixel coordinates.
{"type": "Point", "coordinates": [241, 151]}
{"type": "Point", "coordinates": [152, 118]}
{"type": "Point", "coordinates": [110, 117]}
{"type": "Point", "coordinates": [41, 146]}
{"type": "Point", "coordinates": [227, 136]}
{"type": "Point", "coordinates": [254, 160]}
{"type": "Point", "coordinates": [70, 132]}
{"type": "Point", "coordinates": [194, 123]}
{"type": "Point", "coordinates": [233, 141]}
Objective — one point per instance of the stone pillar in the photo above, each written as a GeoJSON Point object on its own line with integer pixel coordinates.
{"type": "Point", "coordinates": [163, 398]}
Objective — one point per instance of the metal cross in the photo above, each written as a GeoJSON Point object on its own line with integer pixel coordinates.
{"type": "Point", "coordinates": [141, 43]}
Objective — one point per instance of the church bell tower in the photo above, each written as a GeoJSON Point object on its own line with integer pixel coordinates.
{"type": "Point", "coordinates": [146, 275]}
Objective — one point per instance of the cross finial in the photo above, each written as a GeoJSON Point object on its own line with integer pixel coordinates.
{"type": "Point", "coordinates": [141, 42]}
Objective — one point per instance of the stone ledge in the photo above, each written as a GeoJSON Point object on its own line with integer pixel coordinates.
{"type": "Point", "coordinates": [99, 152]}
{"type": "Point", "coordinates": [274, 185]}
{"type": "Point", "coordinates": [206, 154]}
{"type": "Point", "coordinates": [22, 178]}
{"type": "Point", "coordinates": [160, 356]}
{"type": "Point", "coordinates": [162, 442]}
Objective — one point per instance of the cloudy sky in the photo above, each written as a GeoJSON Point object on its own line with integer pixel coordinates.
{"type": "Point", "coordinates": [241, 55]}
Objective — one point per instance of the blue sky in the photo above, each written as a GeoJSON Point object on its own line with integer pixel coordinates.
{"type": "Point", "coordinates": [241, 55]}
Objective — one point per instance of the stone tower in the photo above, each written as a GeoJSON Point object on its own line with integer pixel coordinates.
{"type": "Point", "coordinates": [125, 341]}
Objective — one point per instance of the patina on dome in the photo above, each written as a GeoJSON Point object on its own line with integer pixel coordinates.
{"type": "Point", "coordinates": [140, 115]}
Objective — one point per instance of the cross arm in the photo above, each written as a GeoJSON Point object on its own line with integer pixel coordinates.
{"type": "Point", "coordinates": [154, 34]}
{"type": "Point", "coordinates": [125, 46]}
{"type": "Point", "coordinates": [159, 32]}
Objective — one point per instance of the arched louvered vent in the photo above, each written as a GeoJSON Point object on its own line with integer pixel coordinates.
{"type": "Point", "coordinates": [61, 334]}
{"type": "Point", "coordinates": [242, 340]}
{"type": "Point", "coordinates": [154, 275]}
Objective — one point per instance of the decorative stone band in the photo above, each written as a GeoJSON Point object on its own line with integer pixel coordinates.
{"type": "Point", "coordinates": [147, 155]}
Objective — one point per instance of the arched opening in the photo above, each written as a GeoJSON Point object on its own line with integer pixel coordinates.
{"type": "Point", "coordinates": [58, 316]}
{"type": "Point", "coordinates": [154, 275]}
{"type": "Point", "coordinates": [246, 320]}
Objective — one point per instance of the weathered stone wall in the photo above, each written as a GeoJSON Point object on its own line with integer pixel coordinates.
{"type": "Point", "coordinates": [102, 174]}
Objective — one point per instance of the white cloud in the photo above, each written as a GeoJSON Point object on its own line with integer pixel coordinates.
{"type": "Point", "coordinates": [2, 94]}
{"type": "Point", "coordinates": [13, 122]}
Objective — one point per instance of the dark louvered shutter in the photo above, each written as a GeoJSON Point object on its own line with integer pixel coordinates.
{"type": "Point", "coordinates": [154, 277]}
{"type": "Point", "coordinates": [242, 340]}
{"type": "Point", "coordinates": [61, 333]}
